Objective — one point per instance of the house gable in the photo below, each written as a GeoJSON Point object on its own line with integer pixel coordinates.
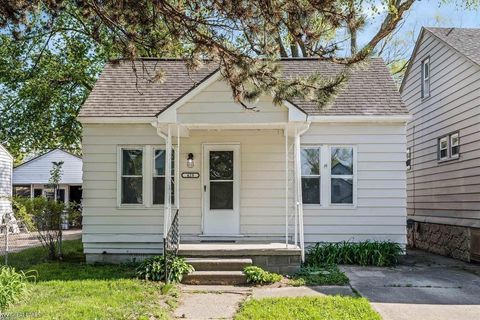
{"type": "Point", "coordinates": [215, 104]}
{"type": "Point", "coordinates": [37, 170]}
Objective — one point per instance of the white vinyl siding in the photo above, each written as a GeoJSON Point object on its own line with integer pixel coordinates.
{"type": "Point", "coordinates": [215, 105]}
{"type": "Point", "coordinates": [6, 164]}
{"type": "Point", "coordinates": [380, 211]}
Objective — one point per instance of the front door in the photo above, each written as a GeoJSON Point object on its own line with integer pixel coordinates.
{"type": "Point", "coordinates": [221, 181]}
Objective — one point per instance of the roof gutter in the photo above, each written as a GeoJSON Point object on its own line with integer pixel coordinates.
{"type": "Point", "coordinates": [365, 118]}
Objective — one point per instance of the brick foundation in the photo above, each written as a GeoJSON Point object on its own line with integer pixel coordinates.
{"type": "Point", "coordinates": [446, 240]}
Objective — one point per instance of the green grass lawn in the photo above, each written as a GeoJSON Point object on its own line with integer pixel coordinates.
{"type": "Point", "coordinates": [71, 289]}
{"type": "Point", "coordinates": [319, 276]}
{"type": "Point", "coordinates": [308, 308]}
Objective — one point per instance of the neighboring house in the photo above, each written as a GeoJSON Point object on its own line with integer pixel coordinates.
{"type": "Point", "coordinates": [239, 175]}
{"type": "Point", "coordinates": [441, 89]}
{"type": "Point", "coordinates": [6, 166]}
{"type": "Point", "coordinates": [31, 178]}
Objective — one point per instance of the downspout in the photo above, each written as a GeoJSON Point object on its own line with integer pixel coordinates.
{"type": "Point", "coordinates": [299, 188]}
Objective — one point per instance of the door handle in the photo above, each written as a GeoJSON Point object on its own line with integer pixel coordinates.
{"type": "Point", "coordinates": [205, 188]}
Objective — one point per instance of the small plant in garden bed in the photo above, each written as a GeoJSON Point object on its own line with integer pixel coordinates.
{"type": "Point", "coordinates": [12, 285]}
{"type": "Point", "coordinates": [367, 253]}
{"type": "Point", "coordinates": [154, 269]}
{"type": "Point", "coordinates": [257, 275]}
{"type": "Point", "coordinates": [322, 276]}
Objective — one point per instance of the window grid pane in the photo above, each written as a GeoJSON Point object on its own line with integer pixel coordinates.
{"type": "Point", "coordinates": [132, 176]}
{"type": "Point", "coordinates": [158, 180]}
{"type": "Point", "coordinates": [341, 182]}
{"type": "Point", "coordinates": [310, 170]}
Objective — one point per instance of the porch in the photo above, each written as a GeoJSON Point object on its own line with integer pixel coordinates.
{"type": "Point", "coordinates": [237, 191]}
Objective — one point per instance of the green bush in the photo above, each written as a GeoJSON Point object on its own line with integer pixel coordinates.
{"type": "Point", "coordinates": [46, 217]}
{"type": "Point", "coordinates": [12, 285]}
{"type": "Point", "coordinates": [257, 275]}
{"type": "Point", "coordinates": [367, 253]}
{"type": "Point", "coordinates": [154, 269]}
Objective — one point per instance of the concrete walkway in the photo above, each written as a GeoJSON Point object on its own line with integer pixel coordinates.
{"type": "Point", "coordinates": [222, 302]}
{"type": "Point", "coordinates": [424, 286]}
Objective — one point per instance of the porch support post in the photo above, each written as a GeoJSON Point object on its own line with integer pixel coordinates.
{"type": "Point", "coordinates": [299, 193]}
{"type": "Point", "coordinates": [296, 177]}
{"type": "Point", "coordinates": [168, 180]}
{"type": "Point", "coordinates": [286, 185]}
{"type": "Point", "coordinates": [177, 171]}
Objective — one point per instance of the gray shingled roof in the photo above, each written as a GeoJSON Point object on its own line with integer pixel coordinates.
{"type": "Point", "coordinates": [370, 89]}
{"type": "Point", "coordinates": [464, 40]}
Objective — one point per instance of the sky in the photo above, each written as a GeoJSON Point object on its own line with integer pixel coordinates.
{"type": "Point", "coordinates": [427, 13]}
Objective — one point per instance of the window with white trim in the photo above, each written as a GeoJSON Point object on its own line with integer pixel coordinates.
{"type": "Point", "coordinates": [328, 175]}
{"type": "Point", "coordinates": [131, 176]}
{"type": "Point", "coordinates": [426, 78]}
{"type": "Point", "coordinates": [158, 179]}
{"type": "Point", "coordinates": [454, 145]}
{"type": "Point", "coordinates": [409, 158]}
{"type": "Point", "coordinates": [449, 146]}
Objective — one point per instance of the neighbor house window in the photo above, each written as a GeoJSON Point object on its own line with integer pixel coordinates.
{"type": "Point", "coordinates": [443, 148]}
{"type": "Point", "coordinates": [328, 175]}
{"type": "Point", "coordinates": [409, 158]}
{"type": "Point", "coordinates": [426, 78]}
{"type": "Point", "coordinates": [159, 176]}
{"type": "Point", "coordinates": [22, 191]}
{"type": "Point", "coordinates": [132, 176]}
{"type": "Point", "coordinates": [449, 146]}
{"type": "Point", "coordinates": [454, 145]}
{"type": "Point", "coordinates": [341, 175]}
{"type": "Point", "coordinates": [311, 181]}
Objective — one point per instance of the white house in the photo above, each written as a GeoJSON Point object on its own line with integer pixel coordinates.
{"type": "Point", "coordinates": [290, 175]}
{"type": "Point", "coordinates": [6, 165]}
{"type": "Point", "coordinates": [31, 178]}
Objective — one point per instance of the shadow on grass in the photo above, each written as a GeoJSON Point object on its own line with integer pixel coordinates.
{"type": "Point", "coordinates": [71, 268]}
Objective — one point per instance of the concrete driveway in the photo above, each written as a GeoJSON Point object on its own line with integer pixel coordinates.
{"type": "Point", "coordinates": [424, 286]}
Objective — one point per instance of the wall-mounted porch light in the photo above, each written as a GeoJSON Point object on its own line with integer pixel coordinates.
{"type": "Point", "coordinates": [190, 162]}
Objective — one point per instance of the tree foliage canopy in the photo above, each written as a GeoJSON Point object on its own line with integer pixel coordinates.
{"type": "Point", "coordinates": [52, 50]}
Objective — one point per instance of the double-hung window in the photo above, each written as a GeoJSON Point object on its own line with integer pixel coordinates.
{"type": "Point", "coordinates": [449, 147]}
{"type": "Point", "coordinates": [158, 182]}
{"type": "Point", "coordinates": [310, 158]}
{"type": "Point", "coordinates": [328, 175]}
{"type": "Point", "coordinates": [426, 78]}
{"type": "Point", "coordinates": [131, 176]}
{"type": "Point", "coordinates": [341, 175]}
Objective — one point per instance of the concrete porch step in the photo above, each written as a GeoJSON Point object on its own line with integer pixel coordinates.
{"type": "Point", "coordinates": [215, 278]}
{"type": "Point", "coordinates": [219, 264]}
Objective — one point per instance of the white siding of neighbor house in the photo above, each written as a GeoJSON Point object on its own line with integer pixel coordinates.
{"type": "Point", "coordinates": [444, 192]}
{"type": "Point", "coordinates": [37, 171]}
{"type": "Point", "coordinates": [6, 165]}
{"type": "Point", "coordinates": [380, 212]}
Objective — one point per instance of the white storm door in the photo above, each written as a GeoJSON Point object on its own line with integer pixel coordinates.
{"type": "Point", "coordinates": [221, 187]}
